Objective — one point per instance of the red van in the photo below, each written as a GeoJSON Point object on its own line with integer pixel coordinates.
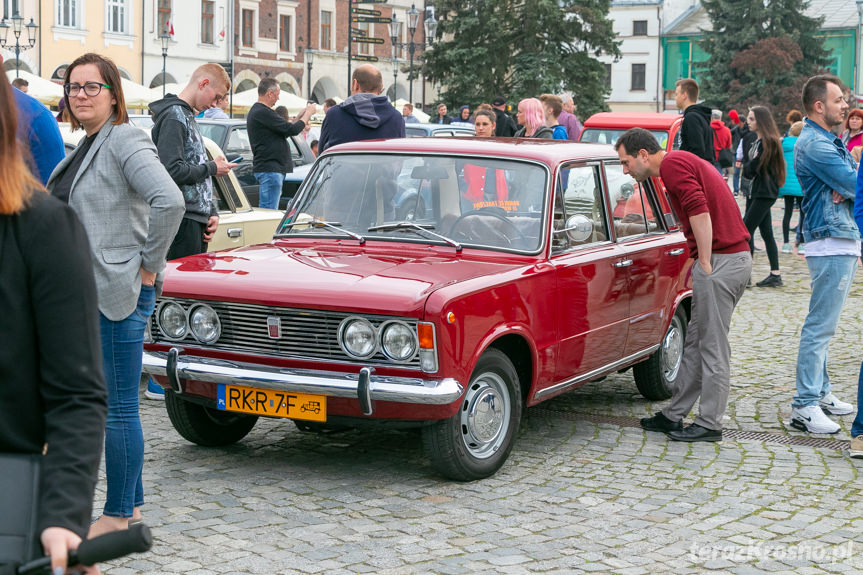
{"type": "Point", "coordinates": [607, 127]}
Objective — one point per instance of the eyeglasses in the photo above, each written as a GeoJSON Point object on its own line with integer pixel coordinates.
{"type": "Point", "coordinates": [92, 89]}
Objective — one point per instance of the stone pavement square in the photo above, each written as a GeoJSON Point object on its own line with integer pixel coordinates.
{"type": "Point", "coordinates": [577, 495]}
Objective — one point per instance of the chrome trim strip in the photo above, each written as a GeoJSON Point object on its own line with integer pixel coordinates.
{"type": "Point", "coordinates": [591, 374]}
{"type": "Point", "coordinates": [380, 388]}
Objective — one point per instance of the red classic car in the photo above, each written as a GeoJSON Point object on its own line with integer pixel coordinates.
{"type": "Point", "coordinates": [527, 268]}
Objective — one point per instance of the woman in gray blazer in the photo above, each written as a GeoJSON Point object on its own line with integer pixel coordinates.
{"type": "Point", "coordinates": [131, 209]}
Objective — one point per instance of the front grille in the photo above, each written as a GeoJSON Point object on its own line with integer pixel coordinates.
{"type": "Point", "coordinates": [305, 334]}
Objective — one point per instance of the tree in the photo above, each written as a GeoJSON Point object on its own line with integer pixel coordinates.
{"type": "Point", "coordinates": [489, 48]}
{"type": "Point", "coordinates": [760, 52]}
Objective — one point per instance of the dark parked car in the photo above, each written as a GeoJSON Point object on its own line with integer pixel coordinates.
{"type": "Point", "coordinates": [438, 130]}
{"type": "Point", "coordinates": [232, 137]}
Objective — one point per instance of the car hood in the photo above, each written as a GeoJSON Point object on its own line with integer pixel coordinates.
{"type": "Point", "coordinates": [337, 277]}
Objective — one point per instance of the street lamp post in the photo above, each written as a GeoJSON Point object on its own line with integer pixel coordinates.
{"type": "Point", "coordinates": [17, 28]}
{"type": "Point", "coordinates": [430, 25]}
{"type": "Point", "coordinates": [395, 76]}
{"type": "Point", "coordinates": [165, 38]}
{"type": "Point", "coordinates": [310, 58]}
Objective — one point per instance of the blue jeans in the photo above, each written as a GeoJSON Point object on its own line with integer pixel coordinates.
{"type": "Point", "coordinates": [831, 278]}
{"type": "Point", "coordinates": [270, 189]}
{"type": "Point", "coordinates": [857, 426]}
{"type": "Point", "coordinates": [122, 349]}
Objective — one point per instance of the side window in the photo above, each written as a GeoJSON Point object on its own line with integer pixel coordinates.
{"type": "Point", "coordinates": [579, 193]}
{"type": "Point", "coordinates": [238, 142]}
{"type": "Point", "coordinates": [632, 208]}
{"type": "Point", "coordinates": [295, 151]}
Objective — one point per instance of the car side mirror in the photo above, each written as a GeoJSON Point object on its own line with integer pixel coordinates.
{"type": "Point", "coordinates": [579, 228]}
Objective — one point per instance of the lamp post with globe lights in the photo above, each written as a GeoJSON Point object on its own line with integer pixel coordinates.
{"type": "Point", "coordinates": [17, 28]}
{"type": "Point", "coordinates": [413, 17]}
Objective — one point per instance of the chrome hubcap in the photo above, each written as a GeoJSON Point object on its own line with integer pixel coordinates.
{"type": "Point", "coordinates": [672, 350]}
{"type": "Point", "coordinates": [485, 415]}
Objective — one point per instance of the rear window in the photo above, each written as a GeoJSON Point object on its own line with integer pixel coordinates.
{"type": "Point", "coordinates": [610, 136]}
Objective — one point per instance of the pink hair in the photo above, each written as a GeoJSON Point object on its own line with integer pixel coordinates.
{"type": "Point", "coordinates": [534, 117]}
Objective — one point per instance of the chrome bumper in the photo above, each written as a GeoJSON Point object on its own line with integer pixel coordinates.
{"type": "Point", "coordinates": [365, 386]}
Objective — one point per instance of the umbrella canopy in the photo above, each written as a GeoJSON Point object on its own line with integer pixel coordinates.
{"type": "Point", "coordinates": [43, 90]}
{"type": "Point", "coordinates": [246, 99]}
{"type": "Point", "coordinates": [136, 95]}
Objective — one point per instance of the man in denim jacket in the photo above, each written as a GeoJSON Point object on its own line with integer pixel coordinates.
{"type": "Point", "coordinates": [828, 176]}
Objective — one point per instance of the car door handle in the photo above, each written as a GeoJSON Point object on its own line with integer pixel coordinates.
{"type": "Point", "coordinates": [623, 263]}
{"type": "Point", "coordinates": [675, 252]}
{"type": "Point", "coordinates": [235, 232]}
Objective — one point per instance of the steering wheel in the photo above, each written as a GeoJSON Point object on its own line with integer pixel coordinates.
{"type": "Point", "coordinates": [471, 227]}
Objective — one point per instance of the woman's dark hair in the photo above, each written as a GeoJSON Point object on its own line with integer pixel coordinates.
{"type": "Point", "coordinates": [18, 181]}
{"type": "Point", "coordinates": [487, 113]}
{"type": "Point", "coordinates": [772, 159]}
{"type": "Point", "coordinates": [851, 113]}
{"type": "Point", "coordinates": [110, 75]}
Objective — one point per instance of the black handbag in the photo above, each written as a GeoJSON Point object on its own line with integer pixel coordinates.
{"type": "Point", "coordinates": [726, 158]}
{"type": "Point", "coordinates": [19, 506]}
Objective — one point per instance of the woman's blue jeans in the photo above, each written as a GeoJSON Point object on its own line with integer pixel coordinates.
{"type": "Point", "coordinates": [122, 349]}
{"type": "Point", "coordinates": [857, 426]}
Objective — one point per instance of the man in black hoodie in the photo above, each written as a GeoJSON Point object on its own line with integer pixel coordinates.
{"type": "Point", "coordinates": [182, 152]}
{"type": "Point", "coordinates": [695, 135]}
{"type": "Point", "coordinates": [365, 115]}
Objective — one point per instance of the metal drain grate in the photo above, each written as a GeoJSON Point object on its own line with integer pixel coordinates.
{"type": "Point", "coordinates": [739, 434]}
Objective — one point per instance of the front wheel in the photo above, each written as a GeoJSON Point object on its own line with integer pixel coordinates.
{"type": "Point", "coordinates": [475, 442]}
{"type": "Point", "coordinates": [657, 377]}
{"type": "Point", "coordinates": [206, 426]}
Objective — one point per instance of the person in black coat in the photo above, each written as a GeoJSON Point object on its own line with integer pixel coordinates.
{"type": "Point", "coordinates": [505, 126]}
{"type": "Point", "coordinates": [53, 398]}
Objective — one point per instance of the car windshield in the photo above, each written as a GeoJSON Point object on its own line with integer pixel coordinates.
{"type": "Point", "coordinates": [463, 200]}
{"type": "Point", "coordinates": [215, 132]}
{"type": "Point", "coordinates": [610, 136]}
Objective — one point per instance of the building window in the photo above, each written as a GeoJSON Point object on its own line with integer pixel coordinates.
{"type": "Point", "coordinates": [117, 14]}
{"type": "Point", "coordinates": [639, 27]}
{"type": "Point", "coordinates": [248, 28]}
{"type": "Point", "coordinates": [207, 9]}
{"type": "Point", "coordinates": [67, 13]}
{"type": "Point", "coordinates": [285, 33]}
{"type": "Point", "coordinates": [639, 74]}
{"type": "Point", "coordinates": [10, 8]}
{"type": "Point", "coordinates": [163, 17]}
{"type": "Point", "coordinates": [608, 76]}
{"type": "Point", "coordinates": [361, 47]}
{"type": "Point", "coordinates": [326, 30]}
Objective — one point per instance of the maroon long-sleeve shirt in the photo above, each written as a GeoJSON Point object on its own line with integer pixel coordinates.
{"type": "Point", "coordinates": [695, 187]}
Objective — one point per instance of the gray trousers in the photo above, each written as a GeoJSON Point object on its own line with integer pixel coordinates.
{"type": "Point", "coordinates": [705, 370]}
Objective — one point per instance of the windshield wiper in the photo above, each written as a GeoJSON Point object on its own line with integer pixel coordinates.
{"type": "Point", "coordinates": [421, 228]}
{"type": "Point", "coordinates": [318, 223]}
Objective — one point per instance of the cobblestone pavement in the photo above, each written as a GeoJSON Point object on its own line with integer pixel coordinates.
{"type": "Point", "coordinates": [584, 490]}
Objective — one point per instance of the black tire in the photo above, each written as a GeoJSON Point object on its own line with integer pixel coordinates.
{"type": "Point", "coordinates": [206, 426]}
{"type": "Point", "coordinates": [410, 209]}
{"type": "Point", "coordinates": [465, 449]}
{"type": "Point", "coordinates": [656, 378]}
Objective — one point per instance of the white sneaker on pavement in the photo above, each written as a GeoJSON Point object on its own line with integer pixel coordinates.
{"type": "Point", "coordinates": [832, 405]}
{"type": "Point", "coordinates": [812, 419]}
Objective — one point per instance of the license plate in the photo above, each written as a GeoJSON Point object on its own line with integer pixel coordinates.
{"type": "Point", "coordinates": [271, 403]}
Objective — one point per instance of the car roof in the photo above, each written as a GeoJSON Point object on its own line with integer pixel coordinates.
{"type": "Point", "coordinates": [225, 121]}
{"type": "Point", "coordinates": [646, 120]}
{"type": "Point", "coordinates": [548, 151]}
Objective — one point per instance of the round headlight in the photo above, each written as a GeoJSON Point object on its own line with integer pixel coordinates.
{"type": "Point", "coordinates": [358, 338]}
{"type": "Point", "coordinates": [172, 321]}
{"type": "Point", "coordinates": [205, 324]}
{"type": "Point", "coordinates": [398, 341]}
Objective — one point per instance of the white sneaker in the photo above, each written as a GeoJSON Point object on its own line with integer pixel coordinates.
{"type": "Point", "coordinates": [812, 419]}
{"type": "Point", "coordinates": [786, 248]}
{"type": "Point", "coordinates": [831, 404]}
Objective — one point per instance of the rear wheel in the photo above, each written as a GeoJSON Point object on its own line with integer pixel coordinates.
{"type": "Point", "coordinates": [475, 442]}
{"type": "Point", "coordinates": [657, 377]}
{"type": "Point", "coordinates": [206, 426]}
